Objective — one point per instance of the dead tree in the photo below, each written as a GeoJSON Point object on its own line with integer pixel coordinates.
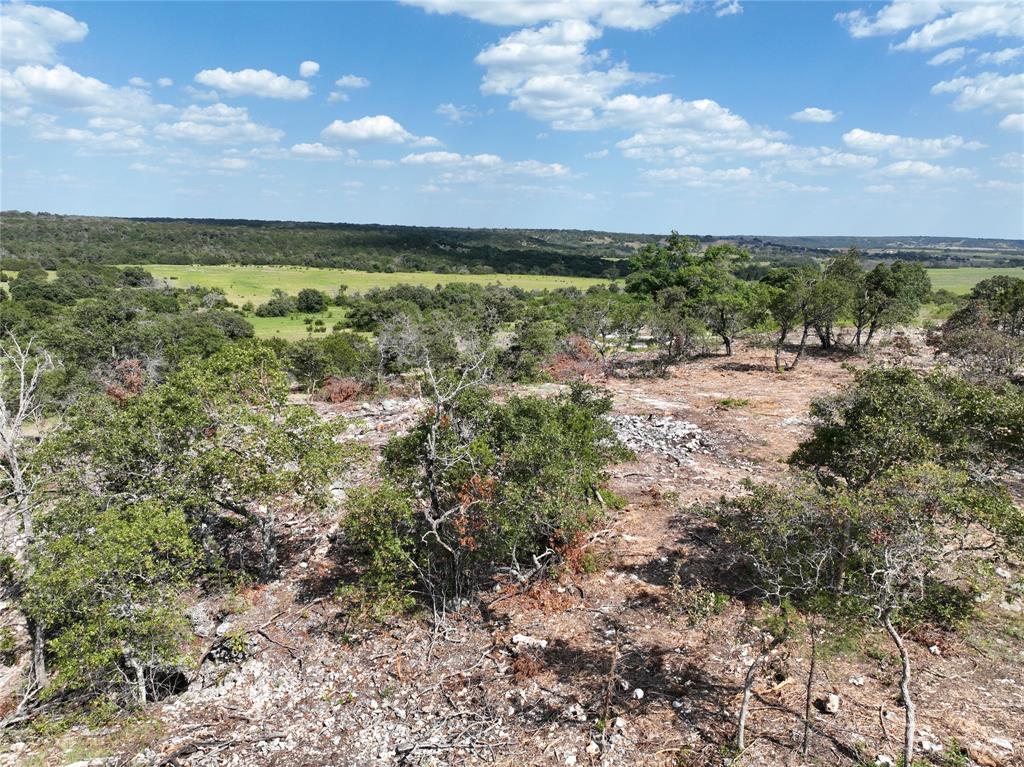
{"type": "Point", "coordinates": [21, 370]}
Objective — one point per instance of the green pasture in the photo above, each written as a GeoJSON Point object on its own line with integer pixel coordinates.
{"type": "Point", "coordinates": [257, 283]}
{"type": "Point", "coordinates": [962, 279]}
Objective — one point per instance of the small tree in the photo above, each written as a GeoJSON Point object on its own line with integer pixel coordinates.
{"type": "Point", "coordinates": [311, 301]}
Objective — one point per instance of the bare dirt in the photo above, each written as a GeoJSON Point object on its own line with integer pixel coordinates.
{"type": "Point", "coordinates": [604, 667]}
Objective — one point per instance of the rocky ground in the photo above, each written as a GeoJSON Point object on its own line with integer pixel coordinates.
{"type": "Point", "coordinates": [630, 663]}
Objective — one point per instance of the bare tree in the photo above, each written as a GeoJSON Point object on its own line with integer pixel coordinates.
{"type": "Point", "coordinates": [22, 367]}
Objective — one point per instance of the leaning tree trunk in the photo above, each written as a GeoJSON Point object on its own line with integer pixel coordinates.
{"type": "Point", "coordinates": [800, 349]}
{"type": "Point", "coordinates": [748, 687]}
{"type": "Point", "coordinates": [813, 631]}
{"type": "Point", "coordinates": [268, 536]}
{"type": "Point", "coordinates": [778, 348]}
{"type": "Point", "coordinates": [908, 702]}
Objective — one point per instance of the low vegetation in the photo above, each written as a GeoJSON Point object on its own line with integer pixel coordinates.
{"type": "Point", "coordinates": [150, 446]}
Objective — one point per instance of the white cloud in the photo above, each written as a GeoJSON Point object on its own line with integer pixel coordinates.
{"type": "Point", "coordinates": [308, 68]}
{"type": "Point", "coordinates": [947, 56]}
{"type": "Point", "coordinates": [254, 82]}
{"type": "Point", "coordinates": [61, 86]}
{"type": "Point", "coordinates": [30, 34]}
{"type": "Point", "coordinates": [620, 14]}
{"type": "Point", "coordinates": [989, 90]}
{"type": "Point", "coordinates": [880, 189]}
{"type": "Point", "coordinates": [218, 123]}
{"type": "Point", "coordinates": [138, 82]}
{"type": "Point", "coordinates": [452, 158]}
{"type": "Point", "coordinates": [1004, 56]}
{"type": "Point", "coordinates": [336, 96]}
{"type": "Point", "coordinates": [968, 23]}
{"type": "Point", "coordinates": [1012, 122]}
{"type": "Point", "coordinates": [230, 164]}
{"type": "Point", "coordinates": [905, 147]}
{"type": "Point", "coordinates": [316, 151]}
{"type": "Point", "coordinates": [352, 81]}
{"type": "Point", "coordinates": [1012, 160]}
{"type": "Point", "coordinates": [165, 82]}
{"type": "Point", "coordinates": [826, 159]}
{"type": "Point", "coordinates": [455, 113]}
{"type": "Point", "coordinates": [920, 169]}
{"type": "Point", "coordinates": [599, 154]}
{"type": "Point", "coordinates": [813, 115]}
{"type": "Point", "coordinates": [378, 128]}
{"type": "Point", "coordinates": [727, 7]}
{"type": "Point", "coordinates": [893, 18]}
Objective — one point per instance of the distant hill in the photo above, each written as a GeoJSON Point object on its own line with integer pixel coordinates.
{"type": "Point", "coordinates": [52, 239]}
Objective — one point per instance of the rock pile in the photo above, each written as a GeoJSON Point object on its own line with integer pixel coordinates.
{"type": "Point", "coordinates": [668, 436]}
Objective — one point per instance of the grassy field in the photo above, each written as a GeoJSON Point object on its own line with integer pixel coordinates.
{"type": "Point", "coordinates": [256, 283]}
{"type": "Point", "coordinates": [961, 280]}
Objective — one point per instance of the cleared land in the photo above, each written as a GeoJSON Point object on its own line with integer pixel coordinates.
{"type": "Point", "coordinates": [257, 283]}
{"type": "Point", "coordinates": [961, 280]}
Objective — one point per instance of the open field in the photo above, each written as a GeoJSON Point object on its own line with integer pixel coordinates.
{"type": "Point", "coordinates": [961, 280]}
{"type": "Point", "coordinates": [257, 283]}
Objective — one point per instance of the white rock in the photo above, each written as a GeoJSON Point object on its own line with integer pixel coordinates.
{"type": "Point", "coordinates": [528, 641]}
{"type": "Point", "coordinates": [593, 749]}
{"type": "Point", "coordinates": [884, 760]}
{"type": "Point", "coordinates": [857, 681]}
{"type": "Point", "coordinates": [638, 693]}
{"type": "Point", "coordinates": [570, 759]}
{"type": "Point", "coordinates": [1003, 743]}
{"type": "Point", "coordinates": [833, 703]}
{"type": "Point", "coordinates": [619, 723]}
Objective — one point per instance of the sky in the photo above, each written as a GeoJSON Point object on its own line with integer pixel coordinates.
{"type": "Point", "coordinates": [715, 117]}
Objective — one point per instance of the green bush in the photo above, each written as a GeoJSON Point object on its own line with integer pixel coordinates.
{"type": "Point", "coordinates": [482, 486]}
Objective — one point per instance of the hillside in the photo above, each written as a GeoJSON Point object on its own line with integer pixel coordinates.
{"type": "Point", "coordinates": [371, 247]}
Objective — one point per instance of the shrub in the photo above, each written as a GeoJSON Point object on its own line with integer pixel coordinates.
{"type": "Point", "coordinates": [483, 487]}
{"type": "Point", "coordinates": [311, 301]}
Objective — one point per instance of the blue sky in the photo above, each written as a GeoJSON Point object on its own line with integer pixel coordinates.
{"type": "Point", "coordinates": [631, 115]}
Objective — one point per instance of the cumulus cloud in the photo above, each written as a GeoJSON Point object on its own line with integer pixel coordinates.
{"type": "Point", "coordinates": [968, 23]}
{"type": "Point", "coordinates": [905, 147]}
{"type": "Point", "coordinates": [1012, 122]}
{"type": "Point", "coordinates": [254, 82]}
{"type": "Point", "coordinates": [947, 56]}
{"type": "Point", "coordinates": [921, 169]}
{"type": "Point", "coordinates": [215, 124]}
{"type": "Point", "coordinates": [352, 81]}
{"type": "Point", "coordinates": [30, 34]}
{"type": "Point", "coordinates": [480, 168]}
{"type": "Point", "coordinates": [165, 82]}
{"type": "Point", "coordinates": [308, 68]}
{"type": "Point", "coordinates": [138, 82]}
{"type": "Point", "coordinates": [1004, 56]}
{"type": "Point", "coordinates": [891, 19]}
{"type": "Point", "coordinates": [376, 129]}
{"type": "Point", "coordinates": [727, 7]}
{"type": "Point", "coordinates": [598, 154]}
{"type": "Point", "coordinates": [813, 115]}
{"type": "Point", "coordinates": [316, 151]}
{"type": "Point", "coordinates": [61, 86]}
{"type": "Point", "coordinates": [455, 113]}
{"type": "Point", "coordinates": [620, 14]}
{"type": "Point", "coordinates": [988, 90]}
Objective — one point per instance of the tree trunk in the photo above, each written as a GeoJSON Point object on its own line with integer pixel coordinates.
{"type": "Point", "coordinates": [778, 348]}
{"type": "Point", "coordinates": [800, 349]}
{"type": "Point", "coordinates": [908, 702]}
{"type": "Point", "coordinates": [40, 676]}
{"type": "Point", "coordinates": [813, 631]}
{"type": "Point", "coordinates": [269, 539]}
{"type": "Point", "coordinates": [728, 345]}
{"type": "Point", "coordinates": [748, 686]}
{"type": "Point", "coordinates": [871, 334]}
{"type": "Point", "coordinates": [139, 691]}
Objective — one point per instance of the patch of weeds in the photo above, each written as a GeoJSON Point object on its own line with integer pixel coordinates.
{"type": "Point", "coordinates": [954, 755]}
{"type": "Point", "coordinates": [698, 603]}
{"type": "Point", "coordinates": [729, 403]}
